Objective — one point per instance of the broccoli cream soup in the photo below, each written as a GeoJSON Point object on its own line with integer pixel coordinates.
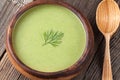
{"type": "Point", "coordinates": [49, 38]}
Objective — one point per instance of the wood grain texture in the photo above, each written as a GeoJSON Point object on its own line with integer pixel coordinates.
{"type": "Point", "coordinates": [94, 72]}
{"type": "Point", "coordinates": [107, 19]}
{"type": "Point", "coordinates": [6, 13]}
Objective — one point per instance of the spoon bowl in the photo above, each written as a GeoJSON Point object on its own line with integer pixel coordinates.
{"type": "Point", "coordinates": [108, 16]}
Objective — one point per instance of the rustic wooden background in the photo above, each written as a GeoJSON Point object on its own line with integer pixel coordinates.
{"type": "Point", "coordinates": [88, 8]}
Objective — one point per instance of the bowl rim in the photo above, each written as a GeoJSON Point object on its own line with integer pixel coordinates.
{"type": "Point", "coordinates": [76, 67]}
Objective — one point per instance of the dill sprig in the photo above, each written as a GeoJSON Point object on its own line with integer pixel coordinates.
{"type": "Point", "coordinates": [53, 37]}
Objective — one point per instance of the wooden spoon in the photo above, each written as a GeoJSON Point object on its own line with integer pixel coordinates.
{"type": "Point", "coordinates": [107, 18]}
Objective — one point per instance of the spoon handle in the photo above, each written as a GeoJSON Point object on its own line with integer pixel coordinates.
{"type": "Point", "coordinates": [107, 71]}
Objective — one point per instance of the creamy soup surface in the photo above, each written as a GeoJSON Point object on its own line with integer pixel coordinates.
{"type": "Point", "coordinates": [49, 38]}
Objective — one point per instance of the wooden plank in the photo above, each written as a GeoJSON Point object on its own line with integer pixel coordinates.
{"type": "Point", "coordinates": [2, 4]}
{"type": "Point", "coordinates": [5, 16]}
{"type": "Point", "coordinates": [7, 71]}
{"type": "Point", "coordinates": [22, 78]}
{"type": "Point", "coordinates": [1, 32]}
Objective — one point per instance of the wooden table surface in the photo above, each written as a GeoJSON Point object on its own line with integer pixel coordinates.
{"type": "Point", "coordinates": [88, 8]}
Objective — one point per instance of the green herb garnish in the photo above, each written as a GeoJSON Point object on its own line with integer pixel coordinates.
{"type": "Point", "coordinates": [53, 38]}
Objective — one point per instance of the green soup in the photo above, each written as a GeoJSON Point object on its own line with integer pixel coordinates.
{"type": "Point", "coordinates": [49, 38]}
